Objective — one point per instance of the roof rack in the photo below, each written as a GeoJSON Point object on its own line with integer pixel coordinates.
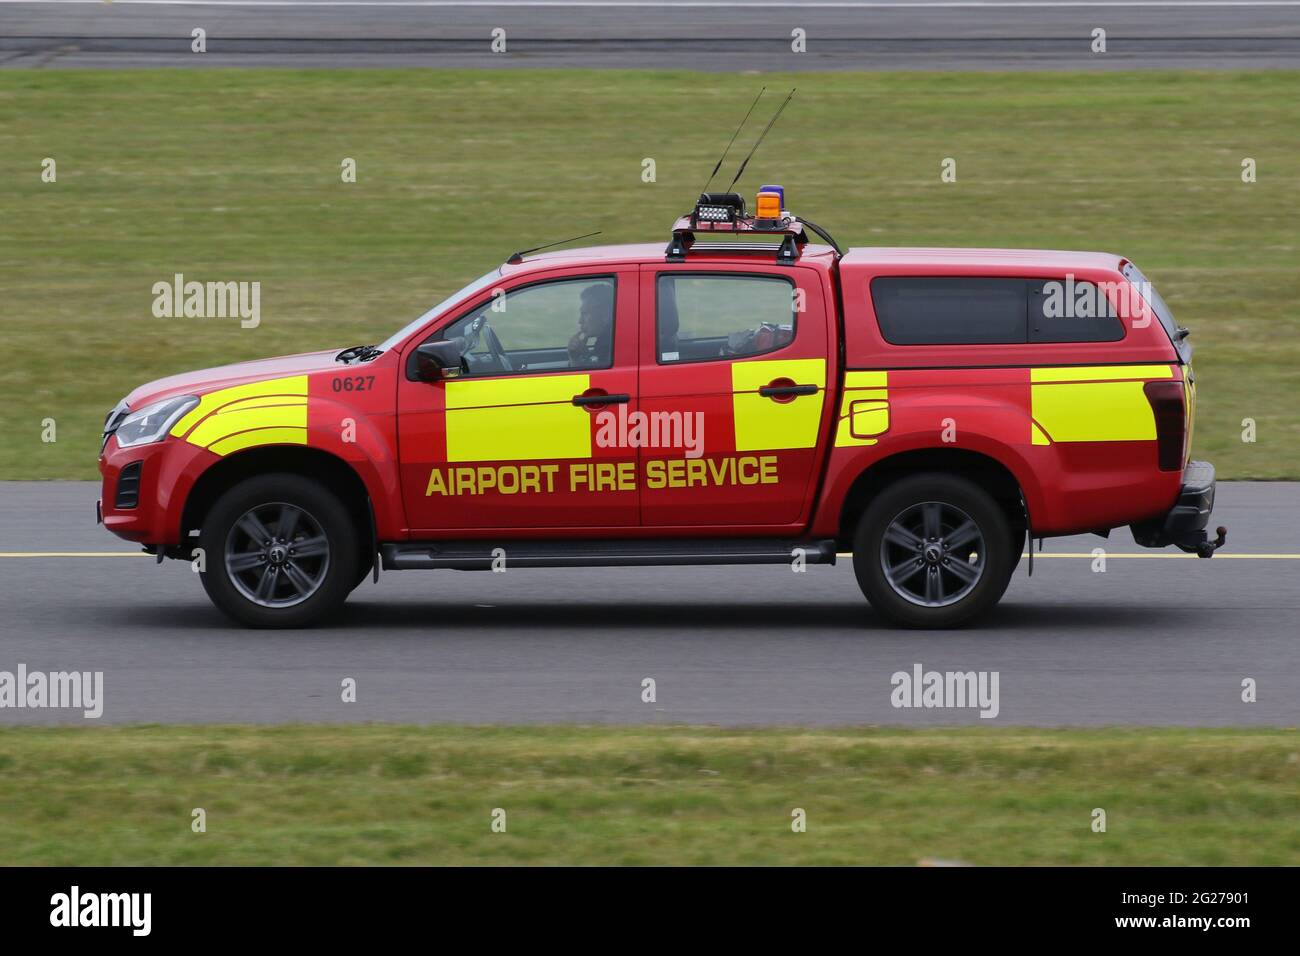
{"type": "Point", "coordinates": [790, 230]}
{"type": "Point", "coordinates": [724, 213]}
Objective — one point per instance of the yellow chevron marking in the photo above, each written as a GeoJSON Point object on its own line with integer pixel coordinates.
{"type": "Point", "coordinates": [274, 435]}
{"type": "Point", "coordinates": [224, 424]}
{"type": "Point", "coordinates": [292, 386]}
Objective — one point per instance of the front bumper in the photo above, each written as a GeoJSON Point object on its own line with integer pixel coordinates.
{"type": "Point", "coordinates": [150, 512]}
{"type": "Point", "coordinates": [1184, 525]}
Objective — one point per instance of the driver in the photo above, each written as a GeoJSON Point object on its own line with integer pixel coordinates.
{"type": "Point", "coordinates": [593, 343]}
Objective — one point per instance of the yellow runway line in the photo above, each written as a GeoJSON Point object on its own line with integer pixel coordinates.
{"type": "Point", "coordinates": [842, 554]}
{"type": "Point", "coordinates": [74, 554]}
{"type": "Point", "coordinates": [1130, 554]}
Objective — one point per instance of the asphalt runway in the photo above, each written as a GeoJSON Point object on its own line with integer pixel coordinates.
{"type": "Point", "coordinates": [725, 35]}
{"type": "Point", "coordinates": [1152, 640]}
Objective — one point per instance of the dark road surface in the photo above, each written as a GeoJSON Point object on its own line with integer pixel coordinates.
{"type": "Point", "coordinates": [705, 36]}
{"type": "Point", "coordinates": [1155, 639]}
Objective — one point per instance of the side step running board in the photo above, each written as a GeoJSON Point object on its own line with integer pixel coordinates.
{"type": "Point", "coordinates": [480, 555]}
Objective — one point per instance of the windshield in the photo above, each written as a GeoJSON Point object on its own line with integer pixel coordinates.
{"type": "Point", "coordinates": [482, 282]}
{"type": "Point", "coordinates": [1160, 308]}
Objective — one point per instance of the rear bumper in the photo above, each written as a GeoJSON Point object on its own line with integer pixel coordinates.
{"type": "Point", "coordinates": [1184, 526]}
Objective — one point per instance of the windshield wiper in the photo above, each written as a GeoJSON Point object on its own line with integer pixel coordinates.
{"type": "Point", "coordinates": [358, 353]}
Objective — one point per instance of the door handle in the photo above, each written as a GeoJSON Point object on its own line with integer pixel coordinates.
{"type": "Point", "coordinates": [773, 391]}
{"type": "Point", "coordinates": [601, 398]}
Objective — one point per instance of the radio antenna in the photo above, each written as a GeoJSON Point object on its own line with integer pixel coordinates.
{"type": "Point", "coordinates": [779, 110]}
{"type": "Point", "coordinates": [733, 140]}
{"type": "Point", "coordinates": [519, 256]}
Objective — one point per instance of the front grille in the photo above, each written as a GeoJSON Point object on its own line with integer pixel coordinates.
{"type": "Point", "coordinates": [128, 486]}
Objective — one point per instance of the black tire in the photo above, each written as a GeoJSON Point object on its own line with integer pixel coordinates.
{"type": "Point", "coordinates": [1019, 545]}
{"type": "Point", "coordinates": [952, 567]}
{"type": "Point", "coordinates": [320, 523]}
{"type": "Point", "coordinates": [364, 566]}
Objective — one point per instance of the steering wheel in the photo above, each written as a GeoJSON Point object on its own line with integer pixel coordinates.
{"type": "Point", "coordinates": [494, 346]}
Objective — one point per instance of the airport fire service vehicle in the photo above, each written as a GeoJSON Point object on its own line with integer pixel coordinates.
{"type": "Point", "coordinates": [745, 395]}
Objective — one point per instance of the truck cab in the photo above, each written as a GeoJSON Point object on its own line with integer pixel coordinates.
{"type": "Point", "coordinates": [743, 395]}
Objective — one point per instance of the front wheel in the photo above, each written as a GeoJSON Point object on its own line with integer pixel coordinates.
{"type": "Point", "coordinates": [933, 551]}
{"type": "Point", "coordinates": [281, 552]}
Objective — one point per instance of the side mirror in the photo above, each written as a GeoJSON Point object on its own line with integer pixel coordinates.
{"type": "Point", "coordinates": [435, 361]}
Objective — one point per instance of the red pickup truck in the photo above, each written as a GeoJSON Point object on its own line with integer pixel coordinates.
{"type": "Point", "coordinates": [745, 395]}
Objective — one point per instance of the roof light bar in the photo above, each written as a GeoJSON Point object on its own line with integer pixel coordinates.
{"type": "Point", "coordinates": [719, 207]}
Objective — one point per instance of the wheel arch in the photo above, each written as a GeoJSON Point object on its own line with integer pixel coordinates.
{"type": "Point", "coordinates": [330, 470]}
{"type": "Point", "coordinates": [988, 472]}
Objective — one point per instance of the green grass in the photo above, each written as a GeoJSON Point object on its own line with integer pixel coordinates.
{"type": "Point", "coordinates": [235, 175]}
{"type": "Point", "coordinates": [661, 795]}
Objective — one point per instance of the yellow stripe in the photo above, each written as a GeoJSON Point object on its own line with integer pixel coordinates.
{"type": "Point", "coordinates": [521, 390]}
{"type": "Point", "coordinates": [292, 385]}
{"type": "Point", "coordinates": [224, 423]}
{"type": "Point", "coordinates": [866, 379]}
{"type": "Point", "coordinates": [864, 409]}
{"type": "Point", "coordinates": [764, 424]}
{"type": "Point", "coordinates": [1094, 411]}
{"type": "Point", "coordinates": [751, 376]}
{"type": "Point", "coordinates": [268, 401]}
{"type": "Point", "coordinates": [518, 419]}
{"type": "Point", "coordinates": [1092, 403]}
{"type": "Point", "coordinates": [1100, 373]}
{"type": "Point", "coordinates": [260, 436]}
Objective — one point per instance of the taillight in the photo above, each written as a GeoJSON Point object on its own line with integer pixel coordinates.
{"type": "Point", "coordinates": [1167, 404]}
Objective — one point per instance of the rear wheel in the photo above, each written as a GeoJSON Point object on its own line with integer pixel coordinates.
{"type": "Point", "coordinates": [933, 551]}
{"type": "Point", "coordinates": [281, 552]}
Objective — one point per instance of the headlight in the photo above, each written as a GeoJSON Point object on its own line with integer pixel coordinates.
{"type": "Point", "coordinates": [113, 419]}
{"type": "Point", "coordinates": [151, 423]}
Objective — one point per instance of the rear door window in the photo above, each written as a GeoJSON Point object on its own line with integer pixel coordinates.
{"type": "Point", "coordinates": [703, 317]}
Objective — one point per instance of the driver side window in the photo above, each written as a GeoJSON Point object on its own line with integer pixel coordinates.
{"type": "Point", "coordinates": [564, 324]}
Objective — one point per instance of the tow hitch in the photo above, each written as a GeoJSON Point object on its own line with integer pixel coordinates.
{"type": "Point", "coordinates": [1207, 548]}
{"type": "Point", "coordinates": [1184, 525]}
